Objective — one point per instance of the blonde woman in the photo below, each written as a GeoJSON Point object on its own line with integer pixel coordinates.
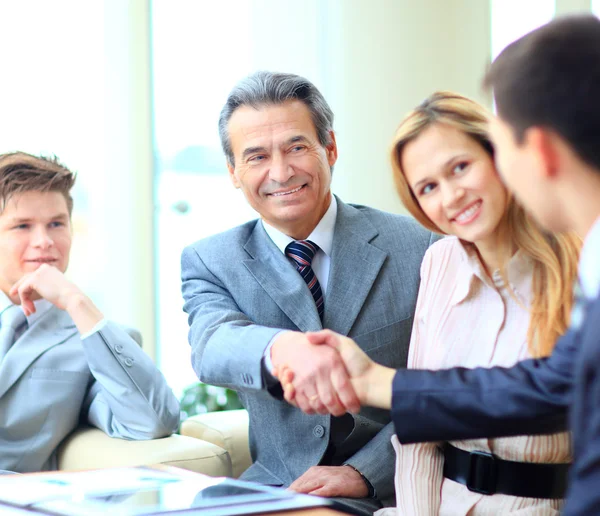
{"type": "Point", "coordinates": [496, 291]}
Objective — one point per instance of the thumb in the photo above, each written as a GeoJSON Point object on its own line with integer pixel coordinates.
{"type": "Point", "coordinates": [321, 337]}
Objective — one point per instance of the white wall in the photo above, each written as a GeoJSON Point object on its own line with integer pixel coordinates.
{"type": "Point", "coordinates": [75, 84]}
{"type": "Point", "coordinates": [384, 57]}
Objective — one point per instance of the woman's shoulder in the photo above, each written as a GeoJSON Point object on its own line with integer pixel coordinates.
{"type": "Point", "coordinates": [441, 264]}
{"type": "Point", "coordinates": [448, 250]}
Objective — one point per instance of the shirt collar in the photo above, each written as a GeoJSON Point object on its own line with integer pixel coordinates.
{"type": "Point", "coordinates": [589, 272]}
{"type": "Point", "coordinates": [468, 270]}
{"type": "Point", "coordinates": [518, 271]}
{"type": "Point", "coordinates": [322, 235]}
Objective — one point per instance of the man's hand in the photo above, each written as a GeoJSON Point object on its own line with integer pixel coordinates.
{"type": "Point", "coordinates": [45, 282]}
{"type": "Point", "coordinates": [321, 382]}
{"type": "Point", "coordinates": [49, 283]}
{"type": "Point", "coordinates": [330, 481]}
{"type": "Point", "coordinates": [371, 382]}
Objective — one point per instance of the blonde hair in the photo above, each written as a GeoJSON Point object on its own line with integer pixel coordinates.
{"type": "Point", "coordinates": [554, 256]}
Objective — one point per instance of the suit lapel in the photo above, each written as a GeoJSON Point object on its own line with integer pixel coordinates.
{"type": "Point", "coordinates": [355, 265]}
{"type": "Point", "coordinates": [279, 279]}
{"type": "Point", "coordinates": [51, 329]}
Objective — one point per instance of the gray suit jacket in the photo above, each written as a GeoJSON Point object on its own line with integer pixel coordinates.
{"type": "Point", "coordinates": [240, 290]}
{"type": "Point", "coordinates": [50, 380]}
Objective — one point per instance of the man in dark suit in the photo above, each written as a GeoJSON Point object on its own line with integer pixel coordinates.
{"type": "Point", "coordinates": [547, 91]}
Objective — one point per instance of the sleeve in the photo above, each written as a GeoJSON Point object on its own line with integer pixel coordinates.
{"type": "Point", "coordinates": [531, 397]}
{"type": "Point", "coordinates": [129, 397]}
{"type": "Point", "coordinates": [375, 461]}
{"type": "Point", "coordinates": [227, 347]}
{"type": "Point", "coordinates": [419, 467]}
{"type": "Point", "coordinates": [584, 495]}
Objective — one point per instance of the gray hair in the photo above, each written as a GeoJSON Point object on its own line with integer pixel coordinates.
{"type": "Point", "coordinates": [269, 88]}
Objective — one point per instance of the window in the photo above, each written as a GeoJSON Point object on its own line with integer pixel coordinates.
{"type": "Point", "coordinates": [51, 104]}
{"type": "Point", "coordinates": [512, 19]}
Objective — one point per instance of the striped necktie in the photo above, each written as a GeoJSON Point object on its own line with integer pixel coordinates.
{"type": "Point", "coordinates": [11, 319]}
{"type": "Point", "coordinates": [303, 252]}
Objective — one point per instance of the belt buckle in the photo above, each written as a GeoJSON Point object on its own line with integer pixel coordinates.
{"type": "Point", "coordinates": [482, 473]}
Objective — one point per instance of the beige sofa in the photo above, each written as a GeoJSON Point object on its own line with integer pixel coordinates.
{"type": "Point", "coordinates": [227, 430]}
{"type": "Point", "coordinates": [90, 448]}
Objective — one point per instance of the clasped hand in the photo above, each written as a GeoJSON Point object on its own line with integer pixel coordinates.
{"type": "Point", "coordinates": [322, 372]}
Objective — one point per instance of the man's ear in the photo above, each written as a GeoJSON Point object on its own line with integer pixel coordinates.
{"type": "Point", "coordinates": [542, 143]}
{"type": "Point", "coordinates": [332, 152]}
{"type": "Point", "coordinates": [232, 176]}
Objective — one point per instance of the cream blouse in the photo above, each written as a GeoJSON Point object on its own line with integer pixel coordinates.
{"type": "Point", "coordinates": [465, 319]}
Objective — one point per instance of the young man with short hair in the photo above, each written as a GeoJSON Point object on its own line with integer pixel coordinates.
{"type": "Point", "coordinates": [61, 361]}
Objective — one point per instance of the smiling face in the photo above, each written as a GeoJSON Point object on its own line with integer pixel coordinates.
{"type": "Point", "coordinates": [455, 183]}
{"type": "Point", "coordinates": [280, 165]}
{"type": "Point", "coordinates": [35, 228]}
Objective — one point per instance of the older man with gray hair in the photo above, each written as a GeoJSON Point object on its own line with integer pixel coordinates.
{"type": "Point", "coordinates": [310, 262]}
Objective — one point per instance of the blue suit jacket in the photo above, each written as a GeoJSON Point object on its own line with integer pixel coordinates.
{"type": "Point", "coordinates": [533, 397]}
{"type": "Point", "coordinates": [51, 379]}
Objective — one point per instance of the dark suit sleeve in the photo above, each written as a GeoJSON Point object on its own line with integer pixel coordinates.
{"type": "Point", "coordinates": [584, 496]}
{"type": "Point", "coordinates": [531, 397]}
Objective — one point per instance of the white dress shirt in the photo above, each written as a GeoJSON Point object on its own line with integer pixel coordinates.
{"type": "Point", "coordinates": [465, 318]}
{"type": "Point", "coordinates": [589, 272]}
{"type": "Point", "coordinates": [322, 235]}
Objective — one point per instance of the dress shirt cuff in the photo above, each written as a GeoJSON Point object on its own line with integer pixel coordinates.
{"type": "Point", "coordinates": [267, 355]}
{"type": "Point", "coordinates": [95, 329]}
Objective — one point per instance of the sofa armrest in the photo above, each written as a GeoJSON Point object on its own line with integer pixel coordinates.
{"type": "Point", "coordinates": [227, 429]}
{"type": "Point", "coordinates": [90, 448]}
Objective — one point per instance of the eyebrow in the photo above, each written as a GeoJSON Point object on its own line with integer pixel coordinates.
{"type": "Point", "coordinates": [252, 150]}
{"type": "Point", "coordinates": [22, 220]}
{"type": "Point", "coordinates": [445, 165]}
{"type": "Point", "coordinates": [294, 139]}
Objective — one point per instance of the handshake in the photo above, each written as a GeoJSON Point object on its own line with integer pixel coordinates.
{"type": "Point", "coordinates": [327, 373]}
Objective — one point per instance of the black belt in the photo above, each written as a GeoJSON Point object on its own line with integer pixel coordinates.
{"type": "Point", "coordinates": [485, 473]}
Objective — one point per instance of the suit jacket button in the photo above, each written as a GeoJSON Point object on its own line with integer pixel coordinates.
{"type": "Point", "coordinates": [318, 431]}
